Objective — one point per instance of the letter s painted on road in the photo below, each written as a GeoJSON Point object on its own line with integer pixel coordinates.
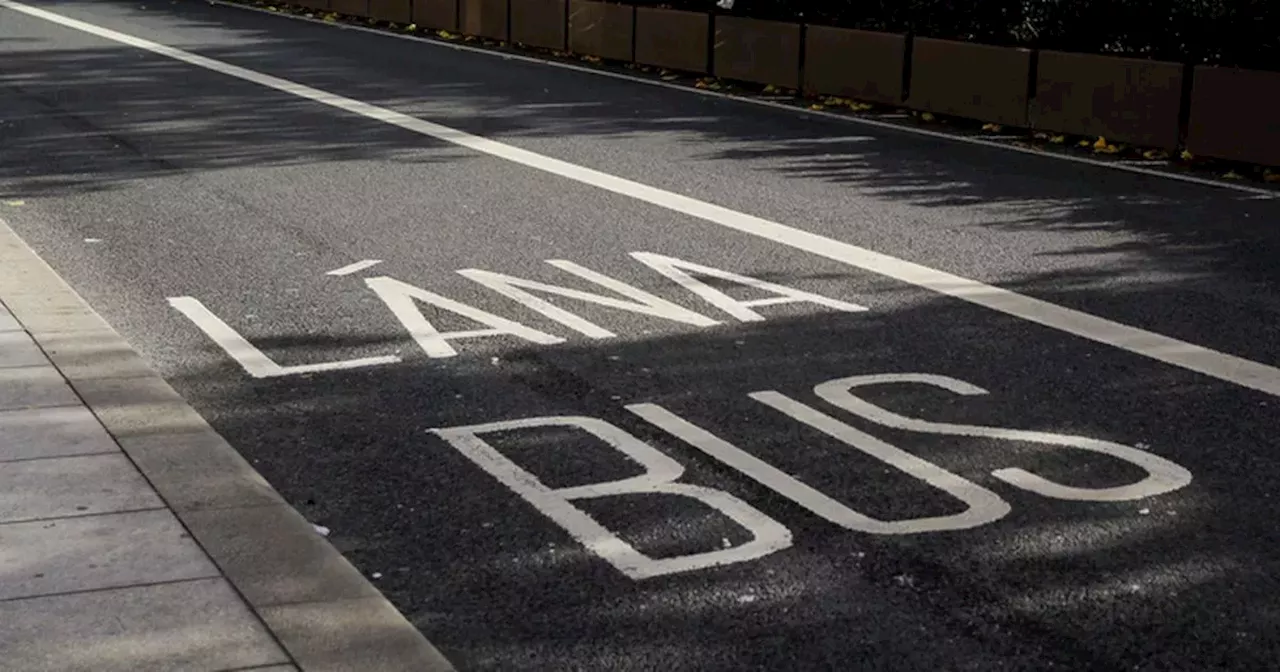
{"type": "Point", "coordinates": [1162, 477]}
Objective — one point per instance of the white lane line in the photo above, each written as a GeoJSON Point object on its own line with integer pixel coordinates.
{"type": "Point", "coordinates": [355, 268]}
{"type": "Point", "coordinates": [1132, 339]}
{"type": "Point", "coordinates": [1134, 166]}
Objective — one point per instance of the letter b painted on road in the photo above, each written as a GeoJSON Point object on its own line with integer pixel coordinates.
{"type": "Point", "coordinates": [660, 474]}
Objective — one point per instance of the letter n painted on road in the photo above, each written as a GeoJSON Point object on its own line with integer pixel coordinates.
{"type": "Point", "coordinates": [641, 302]}
{"type": "Point", "coordinates": [682, 273]}
{"type": "Point", "coordinates": [658, 478]}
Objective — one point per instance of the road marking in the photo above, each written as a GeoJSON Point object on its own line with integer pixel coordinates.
{"type": "Point", "coordinates": [401, 298]}
{"type": "Point", "coordinates": [1129, 166]}
{"type": "Point", "coordinates": [355, 268]}
{"type": "Point", "coordinates": [1161, 348]}
{"type": "Point", "coordinates": [253, 360]}
{"type": "Point", "coordinates": [678, 271]}
{"type": "Point", "coordinates": [660, 474]}
{"type": "Point", "coordinates": [983, 505]}
{"type": "Point", "coordinates": [641, 302]}
{"type": "Point", "coordinates": [1163, 476]}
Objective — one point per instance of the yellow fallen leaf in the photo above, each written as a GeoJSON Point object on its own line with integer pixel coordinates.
{"type": "Point", "coordinates": [15, 203]}
{"type": "Point", "coordinates": [670, 78]}
{"type": "Point", "coordinates": [1101, 143]}
{"type": "Point", "coordinates": [445, 34]}
{"type": "Point", "coordinates": [817, 106]}
{"type": "Point", "coordinates": [860, 107]}
{"type": "Point", "coordinates": [410, 28]}
{"type": "Point", "coordinates": [769, 88]}
{"type": "Point", "coordinates": [1187, 156]}
{"type": "Point", "coordinates": [1058, 139]}
{"type": "Point", "coordinates": [1155, 154]}
{"type": "Point", "coordinates": [272, 8]}
{"type": "Point", "coordinates": [1232, 175]}
{"type": "Point", "coordinates": [928, 116]}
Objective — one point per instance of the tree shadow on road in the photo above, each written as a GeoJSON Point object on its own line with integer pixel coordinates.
{"type": "Point", "coordinates": [96, 117]}
{"type": "Point", "coordinates": [1184, 580]}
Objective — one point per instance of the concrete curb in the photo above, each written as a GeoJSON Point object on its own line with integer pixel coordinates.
{"type": "Point", "coordinates": [313, 601]}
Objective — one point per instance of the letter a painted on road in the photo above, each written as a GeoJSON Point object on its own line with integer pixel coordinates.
{"type": "Point", "coordinates": [660, 473]}
{"type": "Point", "coordinates": [401, 298]}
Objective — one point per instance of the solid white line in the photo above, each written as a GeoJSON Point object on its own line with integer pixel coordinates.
{"type": "Point", "coordinates": [1134, 166]}
{"type": "Point", "coordinates": [1138, 341]}
{"type": "Point", "coordinates": [355, 268]}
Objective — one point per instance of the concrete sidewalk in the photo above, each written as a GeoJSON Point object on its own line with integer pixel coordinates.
{"type": "Point", "coordinates": [132, 537]}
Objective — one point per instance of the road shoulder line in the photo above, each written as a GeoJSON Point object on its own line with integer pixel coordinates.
{"type": "Point", "coordinates": [320, 608]}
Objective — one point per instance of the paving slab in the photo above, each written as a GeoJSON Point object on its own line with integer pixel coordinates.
{"type": "Point", "coordinates": [52, 432]}
{"type": "Point", "coordinates": [17, 349]}
{"type": "Point", "coordinates": [193, 626]}
{"type": "Point", "coordinates": [58, 432]}
{"type": "Point", "coordinates": [48, 557]}
{"type": "Point", "coordinates": [34, 387]}
{"type": "Point", "coordinates": [7, 321]}
{"type": "Point", "coordinates": [72, 486]}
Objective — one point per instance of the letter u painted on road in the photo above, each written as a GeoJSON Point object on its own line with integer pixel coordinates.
{"type": "Point", "coordinates": [982, 505]}
{"type": "Point", "coordinates": [658, 478]}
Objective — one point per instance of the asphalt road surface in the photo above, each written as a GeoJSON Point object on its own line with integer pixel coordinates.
{"type": "Point", "coordinates": [826, 397]}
